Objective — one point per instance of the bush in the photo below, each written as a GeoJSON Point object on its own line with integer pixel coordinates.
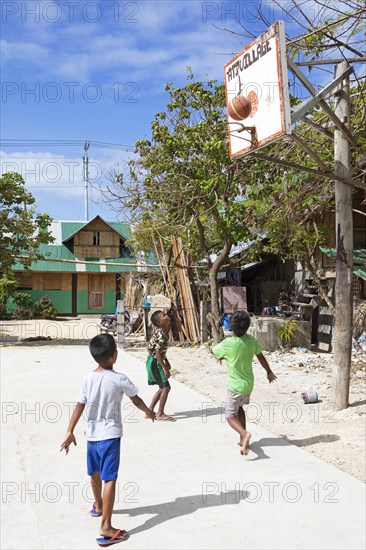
{"type": "Point", "coordinates": [3, 311]}
{"type": "Point", "coordinates": [287, 331]}
{"type": "Point", "coordinates": [22, 299]}
{"type": "Point", "coordinates": [22, 312]}
{"type": "Point", "coordinates": [25, 309]}
{"type": "Point", "coordinates": [45, 309]}
{"type": "Point", "coordinates": [7, 285]}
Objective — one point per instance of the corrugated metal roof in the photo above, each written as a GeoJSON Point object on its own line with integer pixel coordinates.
{"type": "Point", "coordinates": [43, 265]}
{"type": "Point", "coordinates": [73, 227]}
{"type": "Point", "coordinates": [359, 254]}
{"type": "Point", "coordinates": [59, 251]}
{"type": "Point", "coordinates": [125, 267]}
{"type": "Point", "coordinates": [359, 259]}
{"type": "Point", "coordinates": [360, 272]}
{"type": "Point", "coordinates": [69, 228]}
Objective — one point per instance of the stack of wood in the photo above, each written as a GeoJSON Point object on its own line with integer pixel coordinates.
{"type": "Point", "coordinates": [177, 286]}
{"type": "Point", "coordinates": [189, 310]}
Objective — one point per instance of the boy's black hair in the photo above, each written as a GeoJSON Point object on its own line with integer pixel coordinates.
{"type": "Point", "coordinates": [155, 318]}
{"type": "Point", "coordinates": [240, 322]}
{"type": "Point", "coordinates": [102, 347]}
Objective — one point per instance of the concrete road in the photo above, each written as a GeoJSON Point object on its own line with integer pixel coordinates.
{"type": "Point", "coordinates": [182, 485]}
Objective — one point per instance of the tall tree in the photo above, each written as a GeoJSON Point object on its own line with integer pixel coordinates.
{"type": "Point", "coordinates": [23, 230]}
{"type": "Point", "coordinates": [183, 181]}
{"type": "Point", "coordinates": [330, 38]}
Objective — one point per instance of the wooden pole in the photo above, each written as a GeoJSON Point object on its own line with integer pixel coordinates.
{"type": "Point", "coordinates": [120, 324]}
{"type": "Point", "coordinates": [342, 335]}
{"type": "Point", "coordinates": [203, 321]}
{"type": "Point", "coordinates": [161, 267]}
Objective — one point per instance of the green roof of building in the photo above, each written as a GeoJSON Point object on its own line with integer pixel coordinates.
{"type": "Point", "coordinates": [70, 228]}
{"type": "Point", "coordinates": [359, 259]}
{"type": "Point", "coordinates": [63, 232]}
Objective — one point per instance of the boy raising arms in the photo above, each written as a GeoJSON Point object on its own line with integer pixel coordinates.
{"type": "Point", "coordinates": [157, 365]}
{"type": "Point", "coordinates": [101, 395]}
{"type": "Point", "coordinates": [239, 350]}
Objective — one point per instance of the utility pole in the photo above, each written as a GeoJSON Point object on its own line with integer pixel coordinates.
{"type": "Point", "coordinates": [342, 337]}
{"type": "Point", "coordinates": [86, 179]}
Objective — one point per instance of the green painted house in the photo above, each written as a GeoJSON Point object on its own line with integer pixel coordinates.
{"type": "Point", "coordinates": [74, 285]}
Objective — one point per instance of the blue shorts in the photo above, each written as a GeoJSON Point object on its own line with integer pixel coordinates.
{"type": "Point", "coordinates": [103, 456]}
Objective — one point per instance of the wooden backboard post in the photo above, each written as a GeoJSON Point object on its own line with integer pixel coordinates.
{"type": "Point", "coordinates": [342, 335]}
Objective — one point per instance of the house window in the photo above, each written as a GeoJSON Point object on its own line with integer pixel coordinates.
{"type": "Point", "coordinates": [96, 238]}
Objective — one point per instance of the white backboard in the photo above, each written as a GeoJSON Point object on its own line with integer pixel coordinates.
{"type": "Point", "coordinates": [259, 73]}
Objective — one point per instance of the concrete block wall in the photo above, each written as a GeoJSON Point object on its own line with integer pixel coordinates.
{"type": "Point", "coordinates": [265, 329]}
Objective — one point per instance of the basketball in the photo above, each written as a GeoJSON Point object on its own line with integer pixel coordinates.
{"type": "Point", "coordinates": [239, 108]}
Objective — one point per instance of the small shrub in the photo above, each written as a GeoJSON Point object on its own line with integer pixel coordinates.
{"type": "Point", "coordinates": [21, 313]}
{"type": "Point", "coordinates": [45, 309]}
{"type": "Point", "coordinates": [22, 299]}
{"type": "Point", "coordinates": [7, 285]}
{"type": "Point", "coordinates": [287, 331]}
{"type": "Point", "coordinates": [25, 309]}
{"type": "Point", "coordinates": [3, 311]}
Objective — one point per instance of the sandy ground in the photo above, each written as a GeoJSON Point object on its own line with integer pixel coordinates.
{"type": "Point", "coordinates": [337, 437]}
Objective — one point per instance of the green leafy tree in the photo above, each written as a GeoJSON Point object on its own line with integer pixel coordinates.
{"type": "Point", "coordinates": [23, 230]}
{"type": "Point", "coordinates": [184, 183]}
{"type": "Point", "coordinates": [288, 205]}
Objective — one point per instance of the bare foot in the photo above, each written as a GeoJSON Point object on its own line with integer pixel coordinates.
{"type": "Point", "coordinates": [165, 417]}
{"type": "Point", "coordinates": [245, 444]}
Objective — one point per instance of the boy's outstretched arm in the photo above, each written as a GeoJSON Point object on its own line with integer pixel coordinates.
{"type": "Point", "coordinates": [217, 360]}
{"type": "Point", "coordinates": [75, 417]}
{"type": "Point", "coordinates": [140, 404]}
{"type": "Point", "coordinates": [263, 361]}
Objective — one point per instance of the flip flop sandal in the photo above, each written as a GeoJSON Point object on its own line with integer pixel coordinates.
{"type": "Point", "coordinates": [119, 536]}
{"type": "Point", "coordinates": [93, 512]}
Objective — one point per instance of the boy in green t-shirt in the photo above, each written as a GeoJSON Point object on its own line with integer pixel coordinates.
{"type": "Point", "coordinates": [239, 350]}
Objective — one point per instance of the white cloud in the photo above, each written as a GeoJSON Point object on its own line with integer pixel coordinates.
{"type": "Point", "coordinates": [57, 175]}
{"type": "Point", "coordinates": [28, 52]}
{"type": "Point", "coordinates": [165, 37]}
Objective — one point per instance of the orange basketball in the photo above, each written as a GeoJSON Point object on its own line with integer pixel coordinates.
{"type": "Point", "coordinates": [239, 108]}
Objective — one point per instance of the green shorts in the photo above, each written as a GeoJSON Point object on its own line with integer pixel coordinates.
{"type": "Point", "coordinates": [155, 373]}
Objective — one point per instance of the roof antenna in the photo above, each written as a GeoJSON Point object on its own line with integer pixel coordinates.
{"type": "Point", "coordinates": [86, 179]}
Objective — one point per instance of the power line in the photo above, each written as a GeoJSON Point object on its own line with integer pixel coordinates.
{"type": "Point", "coordinates": [62, 143]}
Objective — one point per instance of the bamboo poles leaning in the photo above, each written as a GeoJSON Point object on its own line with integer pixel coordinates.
{"type": "Point", "coordinates": [178, 289]}
{"type": "Point", "coordinates": [182, 333]}
{"type": "Point", "coordinates": [189, 308]}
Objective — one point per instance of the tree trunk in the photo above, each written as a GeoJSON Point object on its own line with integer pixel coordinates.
{"type": "Point", "coordinates": [221, 259]}
{"type": "Point", "coordinates": [342, 335]}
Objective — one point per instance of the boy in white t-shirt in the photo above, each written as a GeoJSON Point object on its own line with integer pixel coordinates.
{"type": "Point", "coordinates": [101, 395]}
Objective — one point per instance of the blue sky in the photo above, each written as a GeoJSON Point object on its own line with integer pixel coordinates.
{"type": "Point", "coordinates": [97, 70]}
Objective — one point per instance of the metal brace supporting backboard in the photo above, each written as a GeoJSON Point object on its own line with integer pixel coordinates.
{"type": "Point", "coordinates": [321, 101]}
{"type": "Point", "coordinates": [306, 105]}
